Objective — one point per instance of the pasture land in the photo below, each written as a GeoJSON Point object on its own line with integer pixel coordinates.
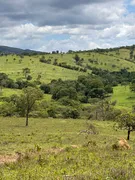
{"type": "Point", "coordinates": [55, 149]}
{"type": "Point", "coordinates": [124, 97]}
{"type": "Point", "coordinates": [13, 65]}
{"type": "Point", "coordinates": [14, 68]}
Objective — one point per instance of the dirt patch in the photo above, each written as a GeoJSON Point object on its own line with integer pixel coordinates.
{"type": "Point", "coordinates": [8, 159]}
{"type": "Point", "coordinates": [75, 146]}
{"type": "Point", "coordinates": [59, 150]}
{"type": "Point", "coordinates": [56, 150]}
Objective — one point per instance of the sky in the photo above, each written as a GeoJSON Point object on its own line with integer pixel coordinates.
{"type": "Point", "coordinates": [49, 25]}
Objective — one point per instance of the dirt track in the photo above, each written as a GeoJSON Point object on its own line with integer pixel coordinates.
{"type": "Point", "coordinates": [7, 159]}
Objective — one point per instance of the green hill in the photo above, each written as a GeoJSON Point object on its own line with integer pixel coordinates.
{"type": "Point", "coordinates": [68, 66]}
{"type": "Point", "coordinates": [109, 59]}
{"type": "Point", "coordinates": [13, 50]}
{"type": "Point", "coordinates": [13, 66]}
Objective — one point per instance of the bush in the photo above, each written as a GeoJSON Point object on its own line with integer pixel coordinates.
{"type": "Point", "coordinates": [36, 114]}
{"type": "Point", "coordinates": [69, 102]}
{"type": "Point", "coordinates": [93, 100]}
{"type": "Point", "coordinates": [7, 109]}
{"type": "Point", "coordinates": [71, 113]}
{"type": "Point", "coordinates": [51, 112]}
{"type": "Point", "coordinates": [83, 99]}
{"type": "Point", "coordinates": [61, 92]}
{"type": "Point", "coordinates": [45, 88]}
{"type": "Point", "coordinates": [29, 77]}
{"type": "Point", "coordinates": [109, 89]}
{"type": "Point", "coordinates": [112, 114]}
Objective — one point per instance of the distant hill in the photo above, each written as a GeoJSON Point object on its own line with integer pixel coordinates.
{"type": "Point", "coordinates": [65, 66]}
{"type": "Point", "coordinates": [12, 50]}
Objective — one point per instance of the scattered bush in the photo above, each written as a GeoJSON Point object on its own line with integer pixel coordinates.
{"type": "Point", "coordinates": [71, 113]}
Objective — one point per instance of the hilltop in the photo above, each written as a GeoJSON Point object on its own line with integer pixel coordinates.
{"type": "Point", "coordinates": [69, 65]}
{"type": "Point", "coordinates": [13, 50]}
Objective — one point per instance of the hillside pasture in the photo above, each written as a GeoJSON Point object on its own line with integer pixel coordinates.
{"type": "Point", "coordinates": [13, 65]}
{"type": "Point", "coordinates": [14, 68]}
{"type": "Point", "coordinates": [124, 97]}
{"type": "Point", "coordinates": [108, 61]}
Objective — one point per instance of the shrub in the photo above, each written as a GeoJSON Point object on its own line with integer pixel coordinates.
{"type": "Point", "coordinates": [71, 113]}
{"type": "Point", "coordinates": [29, 77]}
{"type": "Point", "coordinates": [51, 112]}
{"type": "Point", "coordinates": [7, 109]}
{"type": "Point", "coordinates": [83, 99]}
{"type": "Point", "coordinates": [36, 114]}
{"type": "Point", "coordinates": [69, 102]}
{"type": "Point", "coordinates": [45, 88]}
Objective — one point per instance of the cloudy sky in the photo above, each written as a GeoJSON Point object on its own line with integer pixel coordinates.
{"type": "Point", "coordinates": [49, 25]}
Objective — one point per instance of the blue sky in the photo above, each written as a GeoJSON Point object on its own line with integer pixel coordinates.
{"type": "Point", "coordinates": [49, 25]}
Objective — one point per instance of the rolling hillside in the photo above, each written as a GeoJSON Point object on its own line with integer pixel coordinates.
{"type": "Point", "coordinates": [112, 60]}
{"type": "Point", "coordinates": [64, 66]}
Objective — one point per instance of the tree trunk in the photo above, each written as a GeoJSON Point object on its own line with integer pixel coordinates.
{"type": "Point", "coordinates": [96, 115]}
{"type": "Point", "coordinates": [27, 119]}
{"type": "Point", "coordinates": [128, 137]}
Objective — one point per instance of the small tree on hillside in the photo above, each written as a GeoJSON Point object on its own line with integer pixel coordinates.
{"type": "Point", "coordinates": [26, 71]}
{"type": "Point", "coordinates": [126, 121]}
{"type": "Point", "coordinates": [27, 100]}
{"type": "Point", "coordinates": [105, 110]}
{"type": "Point", "coordinates": [132, 86]}
{"type": "Point", "coordinates": [77, 58]}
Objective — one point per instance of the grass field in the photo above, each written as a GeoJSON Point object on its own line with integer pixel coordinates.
{"type": "Point", "coordinates": [14, 68]}
{"type": "Point", "coordinates": [13, 65]}
{"type": "Point", "coordinates": [58, 159]}
{"type": "Point", "coordinates": [54, 149]}
{"type": "Point", "coordinates": [124, 97]}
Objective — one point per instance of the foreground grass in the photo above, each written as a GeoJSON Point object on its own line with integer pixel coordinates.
{"type": "Point", "coordinates": [56, 158]}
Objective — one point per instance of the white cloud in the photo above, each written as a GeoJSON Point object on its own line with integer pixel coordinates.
{"type": "Point", "coordinates": [133, 2]}
{"type": "Point", "coordinates": [83, 26]}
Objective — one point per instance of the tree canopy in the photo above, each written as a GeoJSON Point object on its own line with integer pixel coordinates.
{"type": "Point", "coordinates": [27, 100]}
{"type": "Point", "coordinates": [126, 121]}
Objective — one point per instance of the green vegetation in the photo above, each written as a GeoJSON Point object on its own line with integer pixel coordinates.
{"type": "Point", "coordinates": [64, 66]}
{"type": "Point", "coordinates": [124, 97]}
{"type": "Point", "coordinates": [73, 102]}
{"type": "Point", "coordinates": [56, 149]}
{"type": "Point", "coordinates": [126, 121]}
{"type": "Point", "coordinates": [15, 65]}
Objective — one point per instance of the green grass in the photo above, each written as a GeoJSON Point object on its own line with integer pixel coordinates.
{"type": "Point", "coordinates": [57, 158]}
{"type": "Point", "coordinates": [124, 97]}
{"type": "Point", "coordinates": [47, 71]}
{"type": "Point", "coordinates": [6, 92]}
{"type": "Point", "coordinates": [110, 61]}
{"type": "Point", "coordinates": [95, 161]}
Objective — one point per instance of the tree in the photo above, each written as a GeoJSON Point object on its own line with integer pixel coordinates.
{"type": "Point", "coordinates": [5, 81]}
{"type": "Point", "coordinates": [126, 121]}
{"type": "Point", "coordinates": [105, 110]}
{"type": "Point", "coordinates": [26, 71]}
{"type": "Point", "coordinates": [131, 53]}
{"type": "Point", "coordinates": [132, 85]}
{"type": "Point", "coordinates": [29, 77]}
{"type": "Point", "coordinates": [97, 93]}
{"type": "Point", "coordinates": [46, 88]}
{"type": "Point", "coordinates": [27, 100]}
{"type": "Point", "coordinates": [77, 58]}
